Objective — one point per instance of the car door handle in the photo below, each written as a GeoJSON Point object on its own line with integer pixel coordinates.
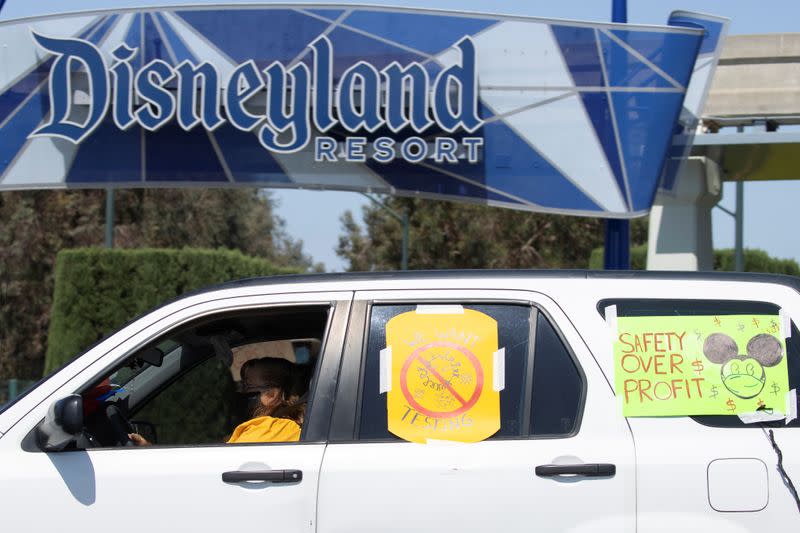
{"type": "Point", "coordinates": [584, 469]}
{"type": "Point", "coordinates": [274, 476]}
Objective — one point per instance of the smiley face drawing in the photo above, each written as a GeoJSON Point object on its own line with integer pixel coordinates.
{"type": "Point", "coordinates": [743, 375]}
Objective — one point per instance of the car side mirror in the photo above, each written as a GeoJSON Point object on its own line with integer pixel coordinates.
{"type": "Point", "coordinates": [62, 425]}
{"type": "Point", "coordinates": [153, 356]}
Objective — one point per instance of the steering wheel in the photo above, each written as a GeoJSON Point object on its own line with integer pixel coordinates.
{"type": "Point", "coordinates": [120, 425]}
{"type": "Point", "coordinates": [87, 440]}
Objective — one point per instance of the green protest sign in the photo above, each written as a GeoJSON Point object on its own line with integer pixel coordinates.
{"type": "Point", "coordinates": [700, 365]}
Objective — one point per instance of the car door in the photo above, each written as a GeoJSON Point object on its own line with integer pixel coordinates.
{"type": "Point", "coordinates": [720, 472]}
{"type": "Point", "coordinates": [562, 460]}
{"type": "Point", "coordinates": [178, 487]}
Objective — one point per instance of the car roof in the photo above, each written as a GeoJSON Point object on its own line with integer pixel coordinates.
{"type": "Point", "coordinates": [406, 275]}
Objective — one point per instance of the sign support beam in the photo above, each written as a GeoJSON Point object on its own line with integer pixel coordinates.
{"type": "Point", "coordinates": [739, 225]}
{"type": "Point", "coordinates": [617, 250]}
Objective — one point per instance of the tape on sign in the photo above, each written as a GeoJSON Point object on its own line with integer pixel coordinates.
{"type": "Point", "coordinates": [791, 405]}
{"type": "Point", "coordinates": [760, 416]}
{"type": "Point", "coordinates": [611, 321]}
{"type": "Point", "coordinates": [440, 310]}
{"type": "Point", "coordinates": [786, 324]}
{"type": "Point", "coordinates": [499, 370]}
{"type": "Point", "coordinates": [385, 378]}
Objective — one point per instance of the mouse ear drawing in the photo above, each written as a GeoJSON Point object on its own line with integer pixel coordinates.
{"type": "Point", "coordinates": [720, 348]}
{"type": "Point", "coordinates": [765, 349]}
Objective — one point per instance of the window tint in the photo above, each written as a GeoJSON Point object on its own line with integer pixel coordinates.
{"type": "Point", "coordinates": [718, 308]}
{"type": "Point", "coordinates": [209, 385]}
{"type": "Point", "coordinates": [239, 377]}
{"type": "Point", "coordinates": [513, 328]}
{"type": "Point", "coordinates": [557, 384]}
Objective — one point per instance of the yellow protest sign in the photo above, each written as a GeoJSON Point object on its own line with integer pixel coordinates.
{"type": "Point", "coordinates": [442, 375]}
{"type": "Point", "coordinates": [700, 365]}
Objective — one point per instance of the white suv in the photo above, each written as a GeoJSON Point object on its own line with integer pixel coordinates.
{"type": "Point", "coordinates": [528, 436]}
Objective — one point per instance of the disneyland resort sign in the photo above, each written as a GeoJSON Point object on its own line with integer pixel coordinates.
{"type": "Point", "coordinates": [297, 101]}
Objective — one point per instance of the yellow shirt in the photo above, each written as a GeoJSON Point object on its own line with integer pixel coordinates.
{"type": "Point", "coordinates": [266, 429]}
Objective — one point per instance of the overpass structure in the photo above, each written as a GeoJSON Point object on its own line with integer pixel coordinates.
{"type": "Point", "coordinates": [747, 132]}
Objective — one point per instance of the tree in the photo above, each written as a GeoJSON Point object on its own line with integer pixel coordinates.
{"type": "Point", "coordinates": [453, 235]}
{"type": "Point", "coordinates": [228, 218]}
{"type": "Point", "coordinates": [35, 225]}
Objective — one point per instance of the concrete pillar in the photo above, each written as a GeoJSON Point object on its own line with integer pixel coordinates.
{"type": "Point", "coordinates": [680, 222]}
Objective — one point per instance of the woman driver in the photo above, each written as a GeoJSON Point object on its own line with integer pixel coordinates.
{"type": "Point", "coordinates": [268, 381]}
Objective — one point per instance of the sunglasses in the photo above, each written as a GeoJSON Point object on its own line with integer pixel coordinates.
{"type": "Point", "coordinates": [251, 391]}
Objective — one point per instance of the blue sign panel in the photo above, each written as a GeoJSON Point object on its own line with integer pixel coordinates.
{"type": "Point", "coordinates": [531, 114]}
{"type": "Point", "coordinates": [715, 29]}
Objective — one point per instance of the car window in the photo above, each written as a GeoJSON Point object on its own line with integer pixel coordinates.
{"type": "Point", "coordinates": [207, 392]}
{"type": "Point", "coordinates": [659, 307]}
{"type": "Point", "coordinates": [560, 381]}
{"type": "Point", "coordinates": [558, 390]}
{"type": "Point", "coordinates": [235, 378]}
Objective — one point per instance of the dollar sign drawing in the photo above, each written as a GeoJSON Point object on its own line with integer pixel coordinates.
{"type": "Point", "coordinates": [775, 388]}
{"type": "Point", "coordinates": [756, 322]}
{"type": "Point", "coordinates": [714, 391]}
{"type": "Point", "coordinates": [717, 321]}
{"type": "Point", "coordinates": [731, 405]}
{"type": "Point", "coordinates": [740, 326]}
{"type": "Point", "coordinates": [698, 366]}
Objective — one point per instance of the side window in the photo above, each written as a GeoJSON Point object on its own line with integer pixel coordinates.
{"type": "Point", "coordinates": [644, 308]}
{"type": "Point", "coordinates": [560, 381]}
{"type": "Point", "coordinates": [557, 385]}
{"type": "Point", "coordinates": [235, 378]}
{"type": "Point", "coordinates": [162, 419]}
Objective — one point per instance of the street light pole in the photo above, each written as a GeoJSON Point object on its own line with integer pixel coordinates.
{"type": "Point", "coordinates": [402, 218]}
{"type": "Point", "coordinates": [109, 217]}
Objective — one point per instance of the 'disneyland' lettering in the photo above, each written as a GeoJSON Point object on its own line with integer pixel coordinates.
{"type": "Point", "coordinates": [295, 96]}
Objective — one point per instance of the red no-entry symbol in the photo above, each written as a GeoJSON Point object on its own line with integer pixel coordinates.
{"type": "Point", "coordinates": [420, 355]}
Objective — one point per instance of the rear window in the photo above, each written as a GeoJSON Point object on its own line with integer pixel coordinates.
{"type": "Point", "coordinates": [543, 391]}
{"type": "Point", "coordinates": [720, 308]}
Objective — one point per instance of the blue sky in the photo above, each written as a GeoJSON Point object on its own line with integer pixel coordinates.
{"type": "Point", "coordinates": [313, 216]}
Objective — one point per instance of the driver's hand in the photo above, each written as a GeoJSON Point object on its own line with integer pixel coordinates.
{"type": "Point", "coordinates": [138, 440]}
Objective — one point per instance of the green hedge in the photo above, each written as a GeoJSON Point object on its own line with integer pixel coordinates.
{"type": "Point", "coordinates": [755, 261]}
{"type": "Point", "coordinates": [724, 260]}
{"type": "Point", "coordinates": [99, 290]}
{"type": "Point", "coordinates": [638, 258]}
